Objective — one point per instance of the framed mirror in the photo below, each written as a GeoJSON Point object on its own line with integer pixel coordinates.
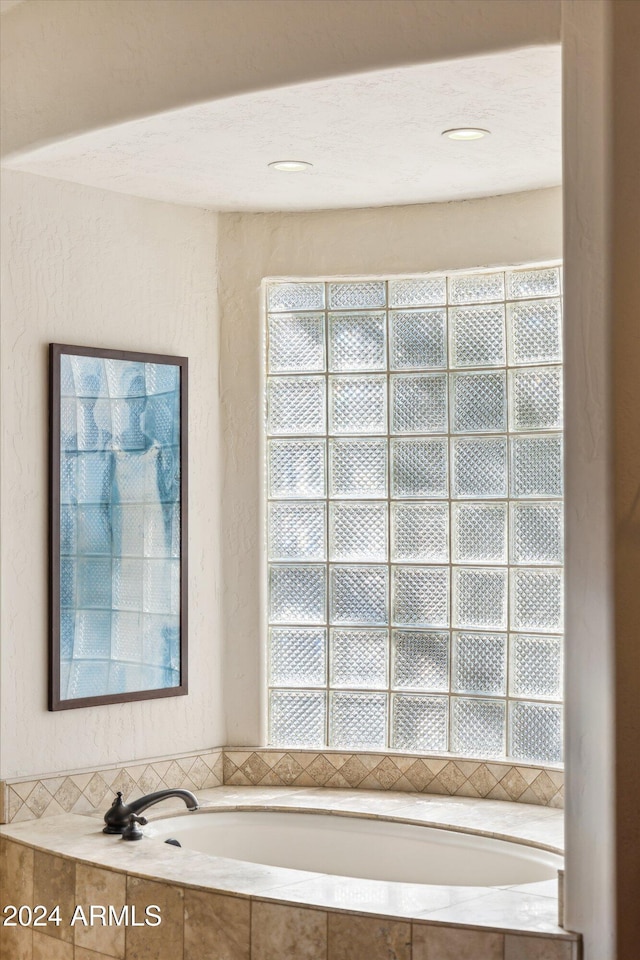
{"type": "Point", "coordinates": [118, 526]}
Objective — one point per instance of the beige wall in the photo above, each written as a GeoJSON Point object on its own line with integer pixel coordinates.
{"type": "Point", "coordinates": [384, 241]}
{"type": "Point", "coordinates": [85, 266]}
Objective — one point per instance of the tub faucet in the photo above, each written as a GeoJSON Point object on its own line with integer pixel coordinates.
{"type": "Point", "coordinates": [118, 814]}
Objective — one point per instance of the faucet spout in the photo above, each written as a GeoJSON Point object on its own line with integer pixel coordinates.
{"type": "Point", "coordinates": [117, 816]}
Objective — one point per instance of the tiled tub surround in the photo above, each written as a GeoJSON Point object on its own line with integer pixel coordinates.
{"type": "Point", "coordinates": [92, 790]}
{"type": "Point", "coordinates": [222, 909]}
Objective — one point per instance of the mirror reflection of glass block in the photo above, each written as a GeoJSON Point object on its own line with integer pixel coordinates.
{"type": "Point", "coordinates": [92, 639]}
{"type": "Point", "coordinates": [420, 596]}
{"type": "Point", "coordinates": [358, 721]}
{"type": "Point", "coordinates": [295, 296]}
{"type": "Point", "coordinates": [537, 600]}
{"type": "Point", "coordinates": [476, 287]}
{"type": "Point", "coordinates": [296, 405]}
{"type": "Point", "coordinates": [477, 727]}
{"type": "Point", "coordinates": [297, 594]}
{"type": "Point", "coordinates": [536, 466]}
{"type": "Point", "coordinates": [161, 530]}
{"type": "Point", "coordinates": [359, 595]}
{"type": "Point", "coordinates": [127, 584]}
{"type": "Point", "coordinates": [418, 339]}
{"type": "Point", "coordinates": [536, 667]}
{"type": "Point", "coordinates": [68, 423]}
{"type": "Point", "coordinates": [68, 478]}
{"type": "Point", "coordinates": [68, 529]}
{"type": "Point", "coordinates": [297, 657]}
{"type": "Point", "coordinates": [94, 582]}
{"type": "Point", "coordinates": [161, 590]}
{"type": "Point", "coordinates": [93, 476]}
{"type": "Point", "coordinates": [296, 468]}
{"type": "Point", "coordinates": [537, 533]}
{"type": "Point", "coordinates": [358, 531]}
{"type": "Point", "coordinates": [296, 531]}
{"type": "Point", "coordinates": [544, 282]}
{"type": "Point", "coordinates": [420, 660]}
{"type": "Point", "coordinates": [358, 404]}
{"type": "Point", "coordinates": [478, 336]}
{"type": "Point", "coordinates": [161, 378]}
{"type": "Point", "coordinates": [95, 427]}
{"type": "Point", "coordinates": [357, 341]}
{"type": "Point", "coordinates": [420, 468]}
{"type": "Point", "coordinates": [359, 658]}
{"type": "Point", "coordinates": [359, 295]}
{"type": "Point", "coordinates": [68, 582]}
{"type": "Point", "coordinates": [161, 640]}
{"type": "Point", "coordinates": [480, 598]}
{"type": "Point", "coordinates": [124, 378]}
{"type": "Point", "coordinates": [479, 467]}
{"type": "Point", "coordinates": [87, 678]}
{"type": "Point", "coordinates": [419, 723]}
{"type": "Point", "coordinates": [126, 636]}
{"type": "Point", "coordinates": [479, 532]}
{"type": "Point", "coordinates": [297, 718]}
{"type": "Point", "coordinates": [358, 468]}
{"type": "Point", "coordinates": [419, 403]}
{"type": "Point", "coordinates": [418, 292]}
{"type": "Point", "coordinates": [535, 399]}
{"type": "Point", "coordinates": [94, 529]}
{"type": "Point", "coordinates": [534, 331]}
{"type": "Point", "coordinates": [296, 343]}
{"type": "Point", "coordinates": [536, 732]}
{"type": "Point", "coordinates": [479, 402]}
{"type": "Point", "coordinates": [479, 663]}
{"type": "Point", "coordinates": [420, 532]}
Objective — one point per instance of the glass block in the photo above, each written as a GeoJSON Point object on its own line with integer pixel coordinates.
{"type": "Point", "coordinates": [128, 529]}
{"type": "Point", "coordinates": [359, 595]}
{"type": "Point", "coordinates": [93, 477]}
{"type": "Point", "coordinates": [358, 468]}
{"type": "Point", "coordinates": [536, 667]}
{"type": "Point", "coordinates": [357, 341]}
{"type": "Point", "coordinates": [536, 466]}
{"type": "Point", "coordinates": [478, 336]}
{"type": "Point", "coordinates": [419, 403]}
{"type": "Point", "coordinates": [420, 468]}
{"type": "Point", "coordinates": [127, 417]}
{"type": "Point", "coordinates": [92, 640]}
{"type": "Point", "coordinates": [67, 385]}
{"type": "Point", "coordinates": [479, 402]}
{"type": "Point", "coordinates": [535, 732]}
{"type": "Point", "coordinates": [479, 663]}
{"type": "Point", "coordinates": [296, 343]}
{"type": "Point", "coordinates": [161, 530]}
{"type": "Point", "coordinates": [297, 594]}
{"type": "Point", "coordinates": [537, 600]}
{"type": "Point", "coordinates": [296, 468]}
{"type": "Point", "coordinates": [358, 531]}
{"type": "Point", "coordinates": [161, 419]}
{"type": "Point", "coordinates": [537, 533]}
{"type": "Point", "coordinates": [359, 295]}
{"type": "Point", "coordinates": [94, 529]}
{"type": "Point", "coordinates": [136, 476]}
{"type": "Point", "coordinates": [127, 635]}
{"type": "Point", "coordinates": [295, 296]}
{"type": "Point", "coordinates": [418, 292]}
{"type": "Point", "coordinates": [420, 660]}
{"type": "Point", "coordinates": [479, 532]}
{"type": "Point", "coordinates": [87, 678]}
{"type": "Point", "coordinates": [94, 426]}
{"type": "Point", "coordinates": [479, 598]}
{"type": "Point", "coordinates": [297, 657]}
{"type": "Point", "coordinates": [90, 375]}
{"type": "Point", "coordinates": [534, 329]}
{"type": "Point", "coordinates": [68, 529]}
{"type": "Point", "coordinates": [358, 721]}
{"type": "Point", "coordinates": [94, 582]}
{"type": "Point", "coordinates": [418, 339]}
{"type": "Point", "coordinates": [543, 282]}
{"type": "Point", "coordinates": [161, 590]}
{"type": "Point", "coordinates": [68, 569]}
{"type": "Point", "coordinates": [358, 404]}
{"type": "Point", "coordinates": [127, 584]}
{"type": "Point", "coordinates": [420, 532]}
{"type": "Point", "coordinates": [161, 378]}
{"type": "Point", "coordinates": [359, 658]}
{"type": "Point", "coordinates": [296, 405]}
{"type": "Point", "coordinates": [297, 718]}
{"type": "Point", "coordinates": [535, 399]}
{"type": "Point", "coordinates": [296, 531]}
{"type": "Point", "coordinates": [420, 596]}
{"type": "Point", "coordinates": [68, 423]}
{"type": "Point", "coordinates": [478, 727]}
{"type": "Point", "coordinates": [476, 287]}
{"type": "Point", "coordinates": [68, 478]}
{"type": "Point", "coordinates": [479, 467]}
{"type": "Point", "coordinates": [161, 640]}
{"type": "Point", "coordinates": [419, 723]}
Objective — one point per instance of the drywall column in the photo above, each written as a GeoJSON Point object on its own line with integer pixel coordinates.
{"type": "Point", "coordinates": [602, 212]}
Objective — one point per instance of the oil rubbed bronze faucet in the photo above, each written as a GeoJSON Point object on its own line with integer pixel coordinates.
{"type": "Point", "coordinates": [118, 816]}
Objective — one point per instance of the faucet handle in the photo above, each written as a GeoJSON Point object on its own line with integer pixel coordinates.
{"type": "Point", "coordinates": [133, 831]}
{"type": "Point", "coordinates": [118, 801]}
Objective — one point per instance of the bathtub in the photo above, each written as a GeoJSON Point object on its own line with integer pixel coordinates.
{"type": "Point", "coordinates": [359, 847]}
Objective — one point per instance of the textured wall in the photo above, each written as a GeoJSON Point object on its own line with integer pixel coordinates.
{"type": "Point", "coordinates": [384, 241]}
{"type": "Point", "coordinates": [89, 267]}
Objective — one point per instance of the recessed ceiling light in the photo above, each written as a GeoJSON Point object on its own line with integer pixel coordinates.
{"type": "Point", "coordinates": [466, 133]}
{"type": "Point", "coordinates": [290, 166]}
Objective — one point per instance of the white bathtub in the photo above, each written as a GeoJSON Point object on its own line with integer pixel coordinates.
{"type": "Point", "coordinates": [351, 846]}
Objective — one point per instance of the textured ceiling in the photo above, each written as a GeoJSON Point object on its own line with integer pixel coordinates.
{"type": "Point", "coordinates": [374, 140]}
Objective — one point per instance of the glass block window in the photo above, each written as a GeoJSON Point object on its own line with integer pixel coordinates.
{"type": "Point", "coordinates": [414, 519]}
